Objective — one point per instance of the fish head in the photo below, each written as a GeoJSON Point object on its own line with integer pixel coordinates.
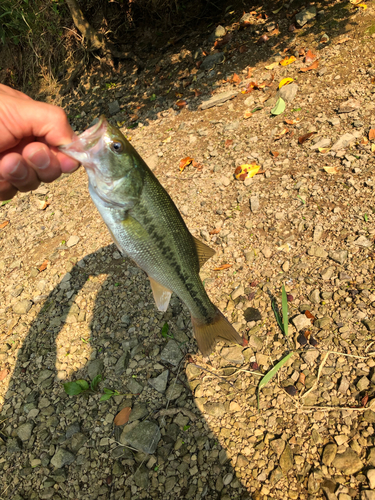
{"type": "Point", "coordinates": [110, 161]}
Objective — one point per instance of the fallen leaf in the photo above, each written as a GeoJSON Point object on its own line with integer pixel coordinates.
{"type": "Point", "coordinates": [364, 400]}
{"type": "Point", "coordinates": [134, 117]}
{"type": "Point", "coordinates": [178, 95]}
{"type": "Point", "coordinates": [167, 140]}
{"type": "Point", "coordinates": [4, 224]}
{"type": "Point", "coordinates": [301, 52]}
{"type": "Point", "coordinates": [236, 79]}
{"type": "Point", "coordinates": [122, 416]}
{"type": "Point", "coordinates": [305, 137]}
{"type": "Point", "coordinates": [355, 2]}
{"type": "Point", "coordinates": [325, 38]}
{"type": "Point", "coordinates": [279, 107]}
{"type": "Point", "coordinates": [197, 93]}
{"type": "Point", "coordinates": [285, 81]}
{"type": "Point", "coordinates": [302, 378]}
{"type": "Point", "coordinates": [245, 342]}
{"type": "Point", "coordinates": [362, 6]}
{"type": "Point", "coordinates": [41, 204]}
{"type": "Point", "coordinates": [228, 143]}
{"type": "Point", "coordinates": [364, 141]}
{"type": "Point", "coordinates": [372, 148]}
{"type": "Point", "coordinates": [343, 40]}
{"type": "Point", "coordinates": [226, 39]}
{"type": "Point", "coordinates": [310, 57]}
{"type": "Point", "coordinates": [242, 49]}
{"type": "Point", "coordinates": [314, 65]}
{"type": "Point", "coordinates": [331, 170]}
{"type": "Point", "coordinates": [371, 134]}
{"type": "Point", "coordinates": [292, 27]}
{"type": "Point", "coordinates": [263, 39]}
{"type": "Point", "coordinates": [310, 316]}
{"type": "Point", "coordinates": [272, 66]}
{"type": "Point", "coordinates": [185, 162]}
{"type": "Point", "coordinates": [287, 60]}
{"type": "Point", "coordinates": [323, 150]}
{"type": "Point", "coordinates": [250, 70]}
{"type": "Point", "coordinates": [247, 114]}
{"type": "Point", "coordinates": [3, 374]}
{"type": "Point", "coordinates": [181, 104]}
{"type": "Point", "coordinates": [277, 10]}
{"type": "Point", "coordinates": [291, 122]}
{"type": "Point", "coordinates": [224, 266]}
{"type": "Point", "coordinates": [275, 154]}
{"type": "Point", "coordinates": [43, 266]}
{"type": "Point", "coordinates": [215, 231]}
{"type": "Point", "coordinates": [197, 165]}
{"type": "Point", "coordinates": [283, 132]}
{"type": "Point", "coordinates": [246, 171]}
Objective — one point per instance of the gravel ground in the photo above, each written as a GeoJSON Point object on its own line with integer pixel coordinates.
{"type": "Point", "coordinates": [72, 308]}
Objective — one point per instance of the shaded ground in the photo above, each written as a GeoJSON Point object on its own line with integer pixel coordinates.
{"type": "Point", "coordinates": [90, 311]}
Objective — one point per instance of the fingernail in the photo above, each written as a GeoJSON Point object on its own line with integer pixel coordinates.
{"type": "Point", "coordinates": [40, 159]}
{"type": "Point", "coordinates": [19, 172]}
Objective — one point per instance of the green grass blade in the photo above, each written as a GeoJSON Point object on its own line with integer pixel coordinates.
{"type": "Point", "coordinates": [277, 315]}
{"type": "Point", "coordinates": [284, 302]}
{"type": "Point", "coordinates": [267, 377]}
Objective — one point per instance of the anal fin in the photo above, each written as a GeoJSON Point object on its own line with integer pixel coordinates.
{"type": "Point", "coordinates": [162, 295]}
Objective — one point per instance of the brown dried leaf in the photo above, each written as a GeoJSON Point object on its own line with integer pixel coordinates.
{"type": "Point", "coordinates": [3, 374]}
{"type": "Point", "coordinates": [247, 114]}
{"type": "Point", "coordinates": [310, 57]}
{"type": "Point", "coordinates": [236, 79]}
{"type": "Point", "coordinates": [371, 134]}
{"type": "Point", "coordinates": [185, 162]}
{"type": "Point", "coordinates": [224, 266]}
{"type": "Point", "coordinates": [228, 143]}
{"type": "Point", "coordinates": [291, 122]}
{"type": "Point", "coordinates": [302, 378]}
{"type": "Point", "coordinates": [197, 93]}
{"type": "Point", "coordinates": [181, 104]}
{"type": "Point", "coordinates": [122, 416]}
{"type": "Point", "coordinates": [305, 137]}
{"type": "Point", "coordinates": [43, 266]}
{"type": "Point", "coordinates": [250, 70]}
{"type": "Point", "coordinates": [275, 154]}
{"type": "Point", "coordinates": [364, 400]}
{"type": "Point", "coordinates": [4, 224]}
{"type": "Point", "coordinates": [242, 49]}
{"type": "Point", "coordinates": [215, 231]}
{"type": "Point", "coordinates": [314, 65]}
{"type": "Point", "coordinates": [310, 316]}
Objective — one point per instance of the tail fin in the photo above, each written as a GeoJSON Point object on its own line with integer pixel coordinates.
{"type": "Point", "coordinates": [207, 333]}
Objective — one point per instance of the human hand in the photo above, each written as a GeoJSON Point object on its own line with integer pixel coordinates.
{"type": "Point", "coordinates": [30, 132]}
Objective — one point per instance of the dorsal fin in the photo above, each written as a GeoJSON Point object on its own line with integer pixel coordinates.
{"type": "Point", "coordinates": [161, 294]}
{"type": "Point", "coordinates": [204, 252]}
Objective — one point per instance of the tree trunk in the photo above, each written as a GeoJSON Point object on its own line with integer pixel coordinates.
{"type": "Point", "coordinates": [94, 39]}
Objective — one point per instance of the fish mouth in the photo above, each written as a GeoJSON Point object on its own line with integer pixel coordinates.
{"type": "Point", "coordinates": [88, 143]}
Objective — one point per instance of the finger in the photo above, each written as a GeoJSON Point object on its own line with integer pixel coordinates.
{"type": "Point", "coordinates": [7, 191]}
{"type": "Point", "coordinates": [41, 159]}
{"type": "Point", "coordinates": [15, 170]}
{"type": "Point", "coordinates": [68, 165]}
{"type": "Point", "coordinates": [4, 89]}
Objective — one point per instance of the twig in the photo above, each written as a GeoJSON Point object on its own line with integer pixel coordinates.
{"type": "Point", "coordinates": [349, 355]}
{"type": "Point", "coordinates": [173, 411]}
{"type": "Point", "coordinates": [214, 374]}
{"type": "Point", "coordinates": [318, 377]}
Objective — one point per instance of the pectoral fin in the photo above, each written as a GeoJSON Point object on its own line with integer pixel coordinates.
{"type": "Point", "coordinates": [162, 295]}
{"type": "Point", "coordinates": [204, 252]}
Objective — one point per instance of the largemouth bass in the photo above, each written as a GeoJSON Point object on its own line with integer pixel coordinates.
{"type": "Point", "coordinates": [147, 227]}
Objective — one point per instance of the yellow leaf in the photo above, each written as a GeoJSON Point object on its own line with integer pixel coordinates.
{"type": "Point", "coordinates": [285, 81]}
{"type": "Point", "coordinates": [168, 139]}
{"type": "Point", "coordinates": [272, 66]}
{"type": "Point", "coordinates": [323, 150]}
{"type": "Point", "coordinates": [331, 170]}
{"type": "Point", "coordinates": [277, 10]}
{"type": "Point", "coordinates": [364, 141]}
{"type": "Point", "coordinates": [287, 60]}
{"type": "Point", "coordinates": [247, 114]}
{"type": "Point", "coordinates": [355, 2]}
{"type": "Point", "coordinates": [246, 171]}
{"type": "Point", "coordinates": [362, 6]}
{"type": "Point", "coordinates": [120, 124]}
{"type": "Point", "coordinates": [372, 148]}
{"type": "Point", "coordinates": [285, 248]}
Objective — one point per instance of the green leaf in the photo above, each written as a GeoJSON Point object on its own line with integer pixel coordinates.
{"type": "Point", "coordinates": [258, 108]}
{"type": "Point", "coordinates": [72, 388]}
{"type": "Point", "coordinates": [284, 302]}
{"type": "Point", "coordinates": [296, 109]}
{"type": "Point", "coordinates": [105, 397]}
{"type": "Point", "coordinates": [83, 384]}
{"type": "Point", "coordinates": [267, 377]}
{"type": "Point", "coordinates": [366, 218]}
{"type": "Point", "coordinates": [165, 330]}
{"type": "Point", "coordinates": [95, 382]}
{"type": "Point", "coordinates": [108, 391]}
{"type": "Point", "coordinates": [279, 107]}
{"type": "Point", "coordinates": [186, 427]}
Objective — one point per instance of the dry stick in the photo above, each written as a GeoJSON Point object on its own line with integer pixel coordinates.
{"type": "Point", "coordinates": [318, 377]}
{"type": "Point", "coordinates": [214, 374]}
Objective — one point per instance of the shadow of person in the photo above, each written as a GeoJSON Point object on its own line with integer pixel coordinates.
{"type": "Point", "coordinates": [101, 319]}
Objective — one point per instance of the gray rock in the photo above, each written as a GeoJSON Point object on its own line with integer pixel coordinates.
{"type": "Point", "coordinates": [369, 416]}
{"type": "Point", "coordinates": [114, 107]}
{"type": "Point", "coordinates": [349, 106]}
{"type": "Point", "coordinates": [230, 127]}
{"type": "Point", "coordinates": [313, 484]}
{"type": "Point", "coordinates": [254, 203]}
{"type": "Point", "coordinates": [211, 61]}
{"type": "Point", "coordinates": [339, 257]}
{"type": "Point", "coordinates": [344, 385]}
{"type": "Point", "coordinates": [278, 446]}
{"type": "Point", "coordinates": [122, 363]}
{"type": "Point", "coordinates": [322, 143]}
{"type": "Point", "coordinates": [305, 16]}
{"type": "Point", "coordinates": [22, 307]}
{"type": "Point", "coordinates": [367, 495]}
{"type": "Point", "coordinates": [343, 142]}
{"type": "Point", "coordinates": [276, 475]}
{"type": "Point", "coordinates": [72, 429]}
{"type": "Point", "coordinates": [311, 356]}
{"type": "Point", "coordinates": [44, 375]}
{"type": "Point", "coordinates": [171, 353]}
{"type": "Point", "coordinates": [362, 241]}
{"type": "Point", "coordinates": [255, 343]}
{"type": "Point", "coordinates": [233, 354]}
{"type": "Point", "coordinates": [286, 459]}
{"type": "Point", "coordinates": [174, 391]}
{"type": "Point", "coordinates": [77, 441]}
{"type": "Point", "coordinates": [13, 445]}
{"type": "Point", "coordinates": [218, 99]}
{"type": "Point", "coordinates": [316, 251]}
{"type": "Point", "coordinates": [327, 273]}
{"type": "Point", "coordinates": [214, 409]}
{"type": "Point", "coordinates": [318, 231]}
{"type": "Point", "coordinates": [138, 412]}
{"type": "Point", "coordinates": [363, 384]}
{"type": "Point", "coordinates": [301, 321]}
{"type": "Point", "coordinates": [329, 454]}
{"type": "Point", "coordinates": [242, 461]}
{"type": "Point", "coordinates": [237, 292]}
{"type": "Point", "coordinates": [315, 296]}
{"type": "Point", "coordinates": [72, 241]}
{"type": "Point", "coordinates": [160, 383]}
{"type": "Point", "coordinates": [288, 92]}
{"type": "Point", "coordinates": [61, 458]}
{"type": "Point", "coordinates": [370, 325]}
{"type": "Point", "coordinates": [371, 477]}
{"type": "Point", "coordinates": [143, 437]}
{"type": "Point", "coordinates": [134, 386]}
{"type": "Point", "coordinates": [348, 462]}
{"type": "Point", "coordinates": [24, 431]}
{"type": "Point", "coordinates": [95, 368]}
{"type": "Point", "coordinates": [323, 323]}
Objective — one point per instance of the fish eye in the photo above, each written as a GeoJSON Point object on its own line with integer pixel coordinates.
{"type": "Point", "coordinates": [117, 147]}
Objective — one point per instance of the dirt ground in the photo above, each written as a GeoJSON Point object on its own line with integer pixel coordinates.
{"type": "Point", "coordinates": [72, 308]}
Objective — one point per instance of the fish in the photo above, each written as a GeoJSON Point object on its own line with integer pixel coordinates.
{"type": "Point", "coordinates": [147, 227]}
